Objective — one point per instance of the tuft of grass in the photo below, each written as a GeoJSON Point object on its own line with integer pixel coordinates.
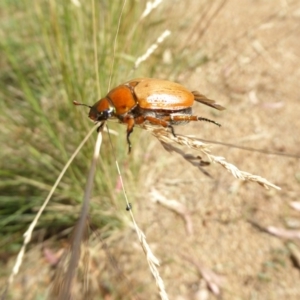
{"type": "Point", "coordinates": [48, 61]}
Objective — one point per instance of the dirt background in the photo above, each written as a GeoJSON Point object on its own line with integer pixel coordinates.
{"type": "Point", "coordinates": [256, 77]}
{"type": "Point", "coordinates": [254, 71]}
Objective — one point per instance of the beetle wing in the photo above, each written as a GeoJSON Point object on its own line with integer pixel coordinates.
{"type": "Point", "coordinates": [159, 94]}
{"type": "Point", "coordinates": [202, 99]}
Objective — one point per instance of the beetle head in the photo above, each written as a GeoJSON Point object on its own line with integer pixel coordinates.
{"type": "Point", "coordinates": [101, 110]}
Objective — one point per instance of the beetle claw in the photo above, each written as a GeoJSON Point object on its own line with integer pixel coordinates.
{"type": "Point", "coordinates": [129, 148]}
{"type": "Point", "coordinates": [172, 130]}
{"type": "Point", "coordinates": [208, 120]}
{"type": "Point", "coordinates": [99, 128]}
{"type": "Point", "coordinates": [128, 141]}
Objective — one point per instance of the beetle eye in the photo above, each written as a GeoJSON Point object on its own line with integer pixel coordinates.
{"type": "Point", "coordinates": [105, 114]}
{"type": "Point", "coordinates": [102, 116]}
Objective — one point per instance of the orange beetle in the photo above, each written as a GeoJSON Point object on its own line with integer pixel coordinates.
{"type": "Point", "coordinates": [156, 101]}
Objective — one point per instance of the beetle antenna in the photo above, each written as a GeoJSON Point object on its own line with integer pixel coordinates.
{"type": "Point", "coordinates": [82, 104]}
{"type": "Point", "coordinates": [208, 120]}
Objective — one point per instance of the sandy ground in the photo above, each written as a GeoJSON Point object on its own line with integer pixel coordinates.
{"type": "Point", "coordinates": [256, 76]}
{"type": "Point", "coordinates": [254, 71]}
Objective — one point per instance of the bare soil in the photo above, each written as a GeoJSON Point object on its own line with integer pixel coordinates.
{"type": "Point", "coordinates": [254, 71]}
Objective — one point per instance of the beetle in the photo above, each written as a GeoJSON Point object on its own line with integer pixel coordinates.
{"type": "Point", "coordinates": [149, 100]}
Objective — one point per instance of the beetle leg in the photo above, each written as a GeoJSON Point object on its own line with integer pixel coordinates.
{"type": "Point", "coordinates": [155, 121]}
{"type": "Point", "coordinates": [130, 124]}
{"type": "Point", "coordinates": [100, 127]}
{"type": "Point", "coordinates": [172, 130]}
{"type": "Point", "coordinates": [163, 122]}
{"type": "Point", "coordinates": [186, 118]}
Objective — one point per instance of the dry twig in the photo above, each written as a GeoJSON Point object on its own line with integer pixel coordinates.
{"type": "Point", "coordinates": [175, 206]}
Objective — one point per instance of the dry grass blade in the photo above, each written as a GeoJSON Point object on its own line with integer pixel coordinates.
{"type": "Point", "coordinates": [75, 255]}
{"type": "Point", "coordinates": [283, 233]}
{"type": "Point", "coordinates": [61, 282]}
{"type": "Point", "coordinates": [151, 49]}
{"type": "Point", "coordinates": [167, 137]}
{"type": "Point", "coordinates": [293, 155]}
{"type": "Point", "coordinates": [213, 280]}
{"type": "Point", "coordinates": [152, 261]}
{"type": "Point", "coordinates": [149, 7]}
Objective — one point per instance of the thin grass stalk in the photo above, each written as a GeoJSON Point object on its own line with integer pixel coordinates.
{"type": "Point", "coordinates": [75, 254]}
{"type": "Point", "coordinates": [150, 50]}
{"type": "Point", "coordinates": [202, 18]}
{"type": "Point", "coordinates": [151, 259]}
{"type": "Point", "coordinates": [292, 155]}
{"type": "Point", "coordinates": [96, 49]}
{"type": "Point", "coordinates": [211, 18]}
{"type": "Point", "coordinates": [115, 46]}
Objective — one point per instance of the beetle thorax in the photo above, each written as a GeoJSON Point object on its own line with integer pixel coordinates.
{"type": "Point", "coordinates": [122, 98]}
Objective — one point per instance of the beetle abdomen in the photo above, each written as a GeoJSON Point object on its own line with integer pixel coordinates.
{"type": "Point", "coordinates": [162, 114]}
